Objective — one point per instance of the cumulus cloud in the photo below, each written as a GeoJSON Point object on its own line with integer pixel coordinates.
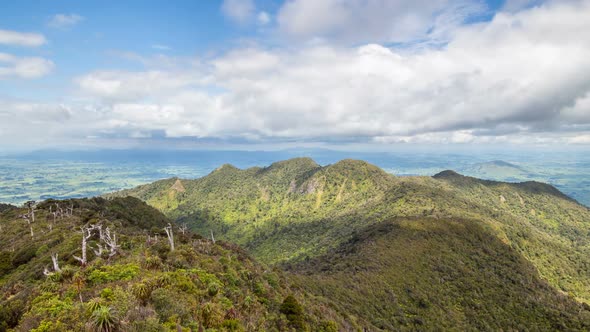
{"type": "Point", "coordinates": [23, 67]}
{"type": "Point", "coordinates": [8, 37]}
{"type": "Point", "coordinates": [378, 21]}
{"type": "Point", "coordinates": [129, 86]}
{"type": "Point", "coordinates": [64, 20]}
{"type": "Point", "coordinates": [521, 78]}
{"type": "Point", "coordinates": [240, 11]}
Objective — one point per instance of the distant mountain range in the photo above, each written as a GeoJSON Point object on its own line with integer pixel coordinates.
{"type": "Point", "coordinates": [498, 170]}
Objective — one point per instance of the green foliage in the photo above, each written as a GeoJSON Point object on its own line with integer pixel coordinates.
{"type": "Point", "coordinates": [213, 288]}
{"type": "Point", "coordinates": [24, 255]}
{"type": "Point", "coordinates": [5, 262]}
{"type": "Point", "coordinates": [294, 312]}
{"type": "Point", "coordinates": [104, 319]}
{"type": "Point", "coordinates": [109, 273]}
{"type": "Point", "coordinates": [232, 325]}
{"type": "Point", "coordinates": [328, 326]}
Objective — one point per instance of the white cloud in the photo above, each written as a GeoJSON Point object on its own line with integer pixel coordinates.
{"type": "Point", "coordinates": [263, 18]}
{"type": "Point", "coordinates": [485, 83]}
{"type": "Point", "coordinates": [521, 78]}
{"type": "Point", "coordinates": [125, 86]}
{"type": "Point", "coordinates": [240, 11]}
{"type": "Point", "coordinates": [24, 67]}
{"type": "Point", "coordinates": [362, 21]}
{"type": "Point", "coordinates": [64, 20]}
{"type": "Point", "coordinates": [8, 37]}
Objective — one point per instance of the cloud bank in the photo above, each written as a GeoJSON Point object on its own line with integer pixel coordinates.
{"type": "Point", "coordinates": [519, 78]}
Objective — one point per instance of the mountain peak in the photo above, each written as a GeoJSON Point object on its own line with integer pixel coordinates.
{"type": "Point", "coordinates": [178, 186]}
{"type": "Point", "coordinates": [299, 162]}
{"type": "Point", "coordinates": [226, 167]}
{"type": "Point", "coordinates": [447, 174]}
{"type": "Point", "coordinates": [355, 166]}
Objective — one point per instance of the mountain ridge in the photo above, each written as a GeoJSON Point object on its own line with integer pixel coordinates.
{"type": "Point", "coordinates": [296, 211]}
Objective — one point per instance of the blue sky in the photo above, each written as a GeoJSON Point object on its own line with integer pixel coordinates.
{"type": "Point", "coordinates": [298, 73]}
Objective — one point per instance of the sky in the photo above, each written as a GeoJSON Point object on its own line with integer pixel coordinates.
{"type": "Point", "coordinates": [266, 74]}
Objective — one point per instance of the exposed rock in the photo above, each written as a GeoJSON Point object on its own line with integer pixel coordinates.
{"type": "Point", "coordinates": [311, 187]}
{"type": "Point", "coordinates": [178, 186]}
{"type": "Point", "coordinates": [292, 187]}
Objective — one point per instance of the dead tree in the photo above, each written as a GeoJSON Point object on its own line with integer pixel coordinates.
{"type": "Point", "coordinates": [87, 232]}
{"type": "Point", "coordinates": [183, 228]}
{"type": "Point", "coordinates": [28, 219]}
{"type": "Point", "coordinates": [111, 242]}
{"type": "Point", "coordinates": [168, 230]}
{"type": "Point", "coordinates": [55, 266]}
{"type": "Point", "coordinates": [31, 207]}
{"type": "Point", "coordinates": [212, 237]}
{"type": "Point", "coordinates": [55, 262]}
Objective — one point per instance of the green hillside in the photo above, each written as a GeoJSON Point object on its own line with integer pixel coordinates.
{"type": "Point", "coordinates": [144, 285]}
{"type": "Point", "coordinates": [294, 212]}
{"type": "Point", "coordinates": [421, 273]}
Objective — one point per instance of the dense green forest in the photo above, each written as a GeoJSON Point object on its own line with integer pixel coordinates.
{"type": "Point", "coordinates": [400, 252]}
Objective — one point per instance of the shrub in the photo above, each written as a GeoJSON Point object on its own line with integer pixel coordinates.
{"type": "Point", "coordinates": [142, 291]}
{"type": "Point", "coordinates": [233, 325]}
{"type": "Point", "coordinates": [109, 273]}
{"type": "Point", "coordinates": [24, 255]}
{"type": "Point", "coordinates": [104, 319]}
{"type": "Point", "coordinates": [328, 326]}
{"type": "Point", "coordinates": [294, 312]}
{"type": "Point", "coordinates": [213, 288]}
{"type": "Point", "coordinates": [152, 263]}
{"type": "Point", "coordinates": [168, 303]}
{"type": "Point", "coordinates": [212, 315]}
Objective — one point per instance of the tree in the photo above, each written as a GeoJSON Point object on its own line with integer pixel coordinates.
{"type": "Point", "coordinates": [55, 262]}
{"type": "Point", "coordinates": [87, 232]}
{"type": "Point", "coordinates": [109, 239]}
{"type": "Point", "coordinates": [31, 205]}
{"type": "Point", "coordinates": [168, 230]}
{"type": "Point", "coordinates": [294, 312]}
{"type": "Point", "coordinates": [183, 228]}
{"type": "Point", "coordinates": [55, 265]}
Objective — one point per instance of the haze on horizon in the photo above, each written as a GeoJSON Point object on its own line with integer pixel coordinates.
{"type": "Point", "coordinates": [297, 73]}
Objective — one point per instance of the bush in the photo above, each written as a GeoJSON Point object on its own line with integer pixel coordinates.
{"type": "Point", "coordinates": [24, 255]}
{"type": "Point", "coordinates": [213, 288]}
{"type": "Point", "coordinates": [168, 303]}
{"type": "Point", "coordinates": [294, 312]}
{"type": "Point", "coordinates": [104, 319]}
{"type": "Point", "coordinates": [5, 263]}
{"type": "Point", "coordinates": [328, 326]}
{"type": "Point", "coordinates": [233, 325]}
{"type": "Point", "coordinates": [109, 273]}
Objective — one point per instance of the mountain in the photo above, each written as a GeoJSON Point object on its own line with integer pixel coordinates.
{"type": "Point", "coordinates": [144, 286]}
{"type": "Point", "coordinates": [498, 170]}
{"type": "Point", "coordinates": [400, 252]}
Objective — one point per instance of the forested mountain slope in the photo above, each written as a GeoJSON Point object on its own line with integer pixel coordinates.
{"type": "Point", "coordinates": [130, 279]}
{"type": "Point", "coordinates": [296, 211]}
